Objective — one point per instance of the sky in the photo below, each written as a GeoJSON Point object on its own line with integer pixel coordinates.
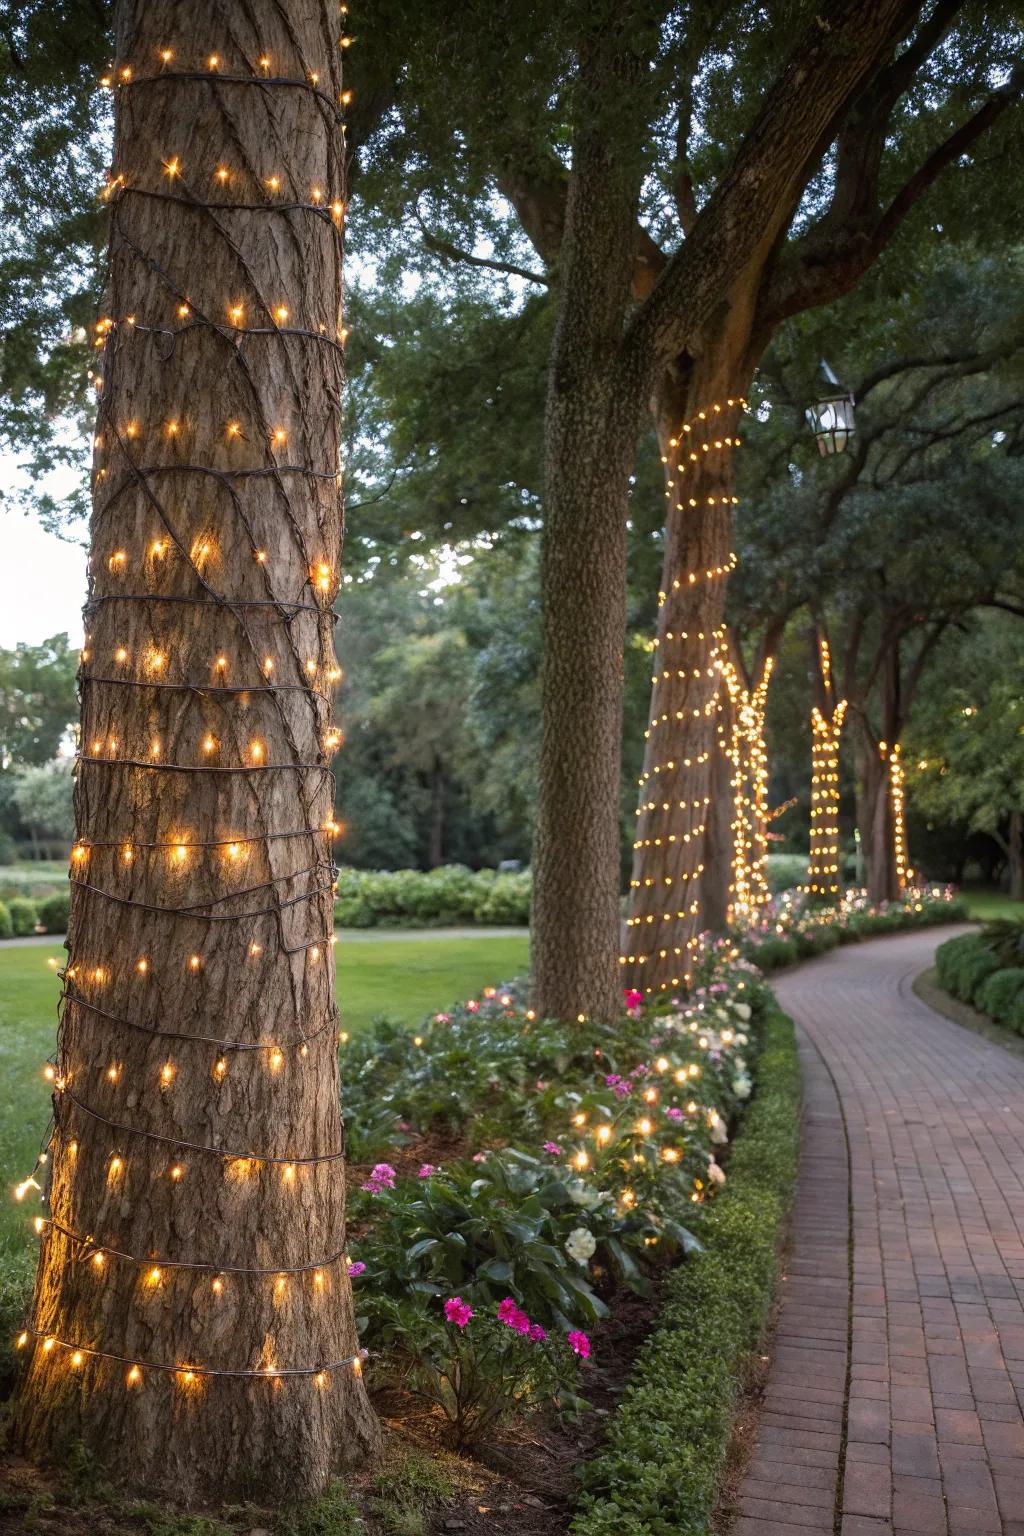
{"type": "Point", "coordinates": [42, 577]}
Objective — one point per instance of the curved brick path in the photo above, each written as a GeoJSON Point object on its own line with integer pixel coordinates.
{"type": "Point", "coordinates": [894, 1397]}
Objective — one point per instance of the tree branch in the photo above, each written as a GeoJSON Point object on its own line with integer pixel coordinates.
{"type": "Point", "coordinates": [450, 252]}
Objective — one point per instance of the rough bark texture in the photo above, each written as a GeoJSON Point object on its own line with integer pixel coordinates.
{"type": "Point", "coordinates": [874, 820]}
{"type": "Point", "coordinates": [201, 906]}
{"type": "Point", "coordinates": [1015, 855]}
{"type": "Point", "coordinates": [590, 434]}
{"type": "Point", "coordinates": [665, 922]}
{"type": "Point", "coordinates": [716, 882]}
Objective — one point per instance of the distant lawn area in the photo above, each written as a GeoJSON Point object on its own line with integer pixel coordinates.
{"type": "Point", "coordinates": [403, 978]}
{"type": "Point", "coordinates": [984, 905]}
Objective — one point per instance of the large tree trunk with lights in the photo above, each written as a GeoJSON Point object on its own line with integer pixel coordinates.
{"type": "Point", "coordinates": [192, 1323]}
{"type": "Point", "coordinates": [717, 883]}
{"type": "Point", "coordinates": [875, 821]}
{"type": "Point", "coordinates": [665, 920]}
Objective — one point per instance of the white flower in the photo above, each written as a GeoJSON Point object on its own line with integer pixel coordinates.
{"type": "Point", "coordinates": [741, 1086]}
{"type": "Point", "coordinates": [739, 1062]}
{"type": "Point", "coordinates": [715, 1174]}
{"type": "Point", "coordinates": [584, 1195]}
{"type": "Point", "coordinates": [717, 1127]}
{"type": "Point", "coordinates": [742, 1039]}
{"type": "Point", "coordinates": [580, 1244]}
{"type": "Point", "coordinates": [742, 1011]}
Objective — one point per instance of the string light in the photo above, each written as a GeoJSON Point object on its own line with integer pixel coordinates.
{"type": "Point", "coordinates": [823, 872]}
{"type": "Point", "coordinates": [184, 860]}
{"type": "Point", "coordinates": [744, 746]}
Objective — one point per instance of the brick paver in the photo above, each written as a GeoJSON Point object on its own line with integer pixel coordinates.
{"type": "Point", "coordinates": [895, 1393]}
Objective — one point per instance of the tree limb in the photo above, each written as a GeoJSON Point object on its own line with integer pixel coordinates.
{"type": "Point", "coordinates": [450, 252]}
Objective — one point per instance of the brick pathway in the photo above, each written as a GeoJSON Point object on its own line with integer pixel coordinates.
{"type": "Point", "coordinates": [894, 1401]}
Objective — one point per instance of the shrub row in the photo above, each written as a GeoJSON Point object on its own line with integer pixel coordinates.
{"type": "Point", "coordinates": [20, 917]}
{"type": "Point", "coordinates": [450, 895]}
{"type": "Point", "coordinates": [973, 968]}
{"type": "Point", "coordinates": [790, 929]}
{"type": "Point", "coordinates": [659, 1468]}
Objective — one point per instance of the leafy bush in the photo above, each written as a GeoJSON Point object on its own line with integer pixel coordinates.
{"type": "Point", "coordinates": [999, 992]}
{"type": "Point", "coordinates": [785, 871]}
{"type": "Point", "coordinates": [1004, 937]}
{"type": "Point", "coordinates": [6, 926]}
{"type": "Point", "coordinates": [23, 916]}
{"type": "Point", "coordinates": [450, 895]}
{"type": "Point", "coordinates": [54, 911]}
{"type": "Point", "coordinates": [658, 1471]}
{"type": "Point", "coordinates": [479, 1369]}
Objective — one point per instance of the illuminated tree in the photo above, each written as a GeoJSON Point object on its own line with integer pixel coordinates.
{"type": "Point", "coordinates": [827, 714]}
{"type": "Point", "coordinates": [192, 1322]}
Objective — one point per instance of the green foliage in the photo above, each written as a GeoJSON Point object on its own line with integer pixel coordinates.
{"type": "Point", "coordinates": [448, 896]}
{"type": "Point", "coordinates": [23, 916]}
{"type": "Point", "coordinates": [53, 913]}
{"type": "Point", "coordinates": [405, 1491]}
{"type": "Point", "coordinates": [333, 1514]}
{"type": "Point", "coordinates": [6, 925]}
{"type": "Point", "coordinates": [785, 871]}
{"type": "Point", "coordinates": [1000, 994]}
{"type": "Point", "coordinates": [657, 1472]}
{"type": "Point", "coordinates": [37, 700]}
{"type": "Point", "coordinates": [1005, 939]}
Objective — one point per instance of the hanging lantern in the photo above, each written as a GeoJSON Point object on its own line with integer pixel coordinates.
{"type": "Point", "coordinates": [831, 418]}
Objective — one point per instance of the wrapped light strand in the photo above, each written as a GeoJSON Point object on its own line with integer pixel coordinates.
{"type": "Point", "coordinates": [744, 746]}
{"type": "Point", "coordinates": [823, 872]}
{"type": "Point", "coordinates": [156, 569]}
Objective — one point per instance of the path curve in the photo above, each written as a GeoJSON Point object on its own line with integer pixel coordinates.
{"type": "Point", "coordinates": [895, 1390]}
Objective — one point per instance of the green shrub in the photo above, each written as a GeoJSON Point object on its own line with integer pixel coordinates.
{"type": "Point", "coordinates": [53, 913]}
{"type": "Point", "coordinates": [451, 895]}
{"type": "Point", "coordinates": [948, 958]}
{"type": "Point", "coordinates": [1005, 938]}
{"type": "Point", "coordinates": [774, 953]}
{"type": "Point", "coordinates": [657, 1473]}
{"type": "Point", "coordinates": [6, 926]}
{"type": "Point", "coordinates": [785, 870]}
{"type": "Point", "coordinates": [964, 964]}
{"type": "Point", "coordinates": [23, 916]}
{"type": "Point", "coordinates": [999, 992]}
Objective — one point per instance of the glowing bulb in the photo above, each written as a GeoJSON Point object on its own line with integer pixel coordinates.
{"type": "Point", "coordinates": [167, 1073]}
{"type": "Point", "coordinates": [256, 751]}
{"type": "Point", "coordinates": [154, 1277]}
{"type": "Point", "coordinates": [220, 1068]}
{"type": "Point", "coordinates": [209, 744]}
{"type": "Point", "coordinates": [114, 1072]}
{"type": "Point", "coordinates": [177, 1171]}
{"type": "Point", "coordinates": [276, 1059]}
{"type": "Point", "coordinates": [134, 1376]}
{"type": "Point", "coordinates": [194, 962]}
{"type": "Point", "coordinates": [142, 966]}
{"type": "Point", "coordinates": [281, 314]}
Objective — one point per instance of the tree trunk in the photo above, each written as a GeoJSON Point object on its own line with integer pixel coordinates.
{"type": "Point", "coordinates": [823, 872]}
{"type": "Point", "coordinates": [665, 922]}
{"type": "Point", "coordinates": [1015, 855]}
{"type": "Point", "coordinates": [874, 817]}
{"type": "Point", "coordinates": [192, 1277]}
{"type": "Point", "coordinates": [435, 842]}
{"type": "Point", "coordinates": [717, 885]}
{"type": "Point", "coordinates": [590, 439]}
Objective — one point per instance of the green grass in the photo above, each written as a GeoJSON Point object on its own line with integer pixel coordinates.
{"type": "Point", "coordinates": [985, 905]}
{"type": "Point", "coordinates": [404, 978]}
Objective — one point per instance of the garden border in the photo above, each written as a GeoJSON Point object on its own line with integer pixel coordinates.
{"type": "Point", "coordinates": [658, 1470]}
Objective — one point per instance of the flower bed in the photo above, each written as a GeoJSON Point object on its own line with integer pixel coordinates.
{"type": "Point", "coordinates": [986, 969]}
{"type": "Point", "coordinates": [791, 928]}
{"type": "Point", "coordinates": [580, 1158]}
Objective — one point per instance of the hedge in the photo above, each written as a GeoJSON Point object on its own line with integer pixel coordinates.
{"type": "Point", "coordinates": [658, 1471]}
{"type": "Point", "coordinates": [412, 898]}
{"type": "Point", "coordinates": [970, 969]}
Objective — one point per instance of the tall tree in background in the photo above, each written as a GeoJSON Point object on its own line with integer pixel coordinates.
{"type": "Point", "coordinates": [688, 181]}
{"type": "Point", "coordinates": [192, 1320]}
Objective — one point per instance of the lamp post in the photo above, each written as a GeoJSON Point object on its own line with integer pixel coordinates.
{"type": "Point", "coordinates": [831, 417]}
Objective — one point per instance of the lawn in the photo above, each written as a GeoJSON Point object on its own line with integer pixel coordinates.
{"type": "Point", "coordinates": [984, 905]}
{"type": "Point", "coordinates": [404, 978]}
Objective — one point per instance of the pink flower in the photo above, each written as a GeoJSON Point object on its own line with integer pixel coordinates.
{"type": "Point", "coordinates": [513, 1316]}
{"type": "Point", "coordinates": [426, 1170]}
{"type": "Point", "coordinates": [458, 1311]}
{"type": "Point", "coordinates": [622, 1090]}
{"type": "Point", "coordinates": [472, 1006]}
{"type": "Point", "coordinates": [537, 1333]}
{"type": "Point", "coordinates": [442, 1018]}
{"type": "Point", "coordinates": [674, 1113]}
{"type": "Point", "coordinates": [382, 1177]}
{"type": "Point", "coordinates": [579, 1344]}
{"type": "Point", "coordinates": [479, 1157]}
{"type": "Point", "coordinates": [633, 998]}
{"type": "Point", "coordinates": [355, 1268]}
{"type": "Point", "coordinates": [612, 1079]}
{"type": "Point", "coordinates": [553, 1148]}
